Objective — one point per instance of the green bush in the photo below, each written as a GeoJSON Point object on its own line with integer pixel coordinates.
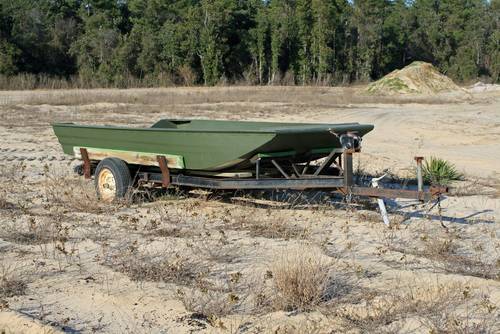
{"type": "Point", "coordinates": [440, 171]}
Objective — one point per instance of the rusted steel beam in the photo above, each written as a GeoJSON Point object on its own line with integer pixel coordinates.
{"type": "Point", "coordinates": [399, 193]}
{"type": "Point", "coordinates": [86, 163]}
{"type": "Point", "coordinates": [328, 161]}
{"type": "Point", "coordinates": [165, 173]}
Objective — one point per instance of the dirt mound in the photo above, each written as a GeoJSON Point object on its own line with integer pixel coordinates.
{"type": "Point", "coordinates": [416, 78]}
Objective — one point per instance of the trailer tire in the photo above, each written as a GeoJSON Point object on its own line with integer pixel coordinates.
{"type": "Point", "coordinates": [112, 179]}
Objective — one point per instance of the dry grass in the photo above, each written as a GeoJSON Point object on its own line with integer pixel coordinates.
{"type": "Point", "coordinates": [272, 228]}
{"type": "Point", "coordinates": [449, 255]}
{"type": "Point", "coordinates": [71, 194]}
{"type": "Point", "coordinates": [215, 299]}
{"type": "Point", "coordinates": [216, 248]}
{"type": "Point", "coordinates": [469, 264]}
{"type": "Point", "coordinates": [286, 96]}
{"type": "Point", "coordinates": [33, 232]}
{"type": "Point", "coordinates": [166, 266]}
{"type": "Point", "coordinates": [12, 172]}
{"type": "Point", "coordinates": [11, 281]}
{"type": "Point", "coordinates": [438, 308]}
{"type": "Point", "coordinates": [303, 279]}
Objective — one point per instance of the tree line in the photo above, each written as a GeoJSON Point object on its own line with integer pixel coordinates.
{"type": "Point", "coordinates": [120, 43]}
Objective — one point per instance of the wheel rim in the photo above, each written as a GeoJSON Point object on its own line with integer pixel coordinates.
{"type": "Point", "coordinates": [107, 185]}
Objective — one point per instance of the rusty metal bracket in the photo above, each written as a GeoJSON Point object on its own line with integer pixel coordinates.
{"type": "Point", "coordinates": [86, 163]}
{"type": "Point", "coordinates": [165, 173]}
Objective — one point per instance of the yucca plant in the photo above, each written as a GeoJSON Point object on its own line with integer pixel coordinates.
{"type": "Point", "coordinates": [439, 171]}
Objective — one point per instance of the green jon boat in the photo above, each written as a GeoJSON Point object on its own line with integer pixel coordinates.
{"type": "Point", "coordinates": [205, 145]}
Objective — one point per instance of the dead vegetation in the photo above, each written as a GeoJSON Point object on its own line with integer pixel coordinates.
{"type": "Point", "coordinates": [168, 266]}
{"type": "Point", "coordinates": [11, 281]}
{"type": "Point", "coordinates": [276, 227]}
{"type": "Point", "coordinates": [71, 193]}
{"type": "Point", "coordinates": [447, 253]}
{"type": "Point", "coordinates": [214, 299]}
{"type": "Point", "coordinates": [439, 308]}
{"type": "Point", "coordinates": [235, 96]}
{"type": "Point", "coordinates": [33, 232]}
{"type": "Point", "coordinates": [303, 279]}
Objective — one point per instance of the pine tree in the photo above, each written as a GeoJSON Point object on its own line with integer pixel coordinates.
{"type": "Point", "coordinates": [259, 41]}
{"type": "Point", "coordinates": [305, 25]}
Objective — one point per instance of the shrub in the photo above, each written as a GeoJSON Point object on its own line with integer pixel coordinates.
{"type": "Point", "coordinates": [304, 279]}
{"type": "Point", "coordinates": [440, 171]}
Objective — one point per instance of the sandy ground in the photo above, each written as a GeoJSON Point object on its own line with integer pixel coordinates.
{"type": "Point", "coordinates": [70, 263]}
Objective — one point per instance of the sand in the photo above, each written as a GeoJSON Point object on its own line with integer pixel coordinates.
{"type": "Point", "coordinates": [74, 281]}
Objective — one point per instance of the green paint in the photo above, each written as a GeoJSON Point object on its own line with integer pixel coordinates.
{"type": "Point", "coordinates": [207, 144]}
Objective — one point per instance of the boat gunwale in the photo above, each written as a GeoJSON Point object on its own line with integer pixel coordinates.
{"type": "Point", "coordinates": [283, 130]}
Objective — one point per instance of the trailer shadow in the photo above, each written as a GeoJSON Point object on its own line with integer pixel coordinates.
{"type": "Point", "coordinates": [327, 200]}
{"type": "Point", "coordinates": [423, 213]}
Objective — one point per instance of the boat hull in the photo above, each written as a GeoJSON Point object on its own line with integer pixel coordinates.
{"type": "Point", "coordinates": [207, 145]}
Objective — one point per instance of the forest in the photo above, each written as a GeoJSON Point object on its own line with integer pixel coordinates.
{"type": "Point", "coordinates": [148, 43]}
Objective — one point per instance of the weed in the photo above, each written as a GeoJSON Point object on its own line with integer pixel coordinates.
{"type": "Point", "coordinates": [438, 171]}
{"type": "Point", "coordinates": [233, 293]}
{"type": "Point", "coordinates": [447, 254]}
{"type": "Point", "coordinates": [34, 232]}
{"type": "Point", "coordinates": [71, 193]}
{"type": "Point", "coordinates": [169, 267]}
{"type": "Point", "coordinates": [388, 312]}
{"type": "Point", "coordinates": [304, 279]}
{"type": "Point", "coordinates": [11, 283]}
{"type": "Point", "coordinates": [273, 228]}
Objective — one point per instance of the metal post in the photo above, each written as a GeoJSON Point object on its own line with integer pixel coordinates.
{"type": "Point", "coordinates": [419, 173]}
{"type": "Point", "coordinates": [348, 178]}
{"type": "Point", "coordinates": [257, 168]}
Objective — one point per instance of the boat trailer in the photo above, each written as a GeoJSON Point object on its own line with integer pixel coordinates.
{"type": "Point", "coordinates": [276, 172]}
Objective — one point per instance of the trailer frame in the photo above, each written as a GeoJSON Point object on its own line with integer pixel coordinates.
{"type": "Point", "coordinates": [292, 178]}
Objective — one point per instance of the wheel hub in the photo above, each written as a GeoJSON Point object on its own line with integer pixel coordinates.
{"type": "Point", "coordinates": [107, 185]}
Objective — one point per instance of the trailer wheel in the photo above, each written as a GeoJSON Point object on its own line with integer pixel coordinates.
{"type": "Point", "coordinates": [112, 179]}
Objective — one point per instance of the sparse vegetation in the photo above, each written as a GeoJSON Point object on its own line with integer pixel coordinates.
{"type": "Point", "coordinates": [236, 263]}
{"type": "Point", "coordinates": [168, 266]}
{"type": "Point", "coordinates": [303, 279]}
{"type": "Point", "coordinates": [71, 193]}
{"type": "Point", "coordinates": [11, 282]}
{"type": "Point", "coordinates": [437, 307]}
{"type": "Point", "coordinates": [33, 232]}
{"type": "Point", "coordinates": [278, 227]}
{"type": "Point", "coordinates": [213, 300]}
{"type": "Point", "coordinates": [447, 254]}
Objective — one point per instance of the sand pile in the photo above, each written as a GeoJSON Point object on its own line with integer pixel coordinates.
{"type": "Point", "coordinates": [416, 78]}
